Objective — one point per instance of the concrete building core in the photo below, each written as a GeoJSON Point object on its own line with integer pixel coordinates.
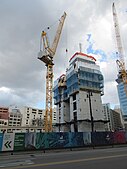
{"type": "Point", "coordinates": [77, 96]}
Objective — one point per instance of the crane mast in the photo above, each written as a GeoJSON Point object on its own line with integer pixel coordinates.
{"type": "Point", "coordinates": [46, 56]}
{"type": "Point", "coordinates": [122, 74]}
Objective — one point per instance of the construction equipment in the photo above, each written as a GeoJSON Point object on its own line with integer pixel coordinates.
{"type": "Point", "coordinates": [122, 74]}
{"type": "Point", "coordinates": [46, 56]}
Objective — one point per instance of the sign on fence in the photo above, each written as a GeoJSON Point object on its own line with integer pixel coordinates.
{"type": "Point", "coordinates": [8, 142]}
{"type": "Point", "coordinates": [19, 143]}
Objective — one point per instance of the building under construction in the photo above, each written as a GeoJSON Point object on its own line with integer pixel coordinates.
{"type": "Point", "coordinates": [77, 96]}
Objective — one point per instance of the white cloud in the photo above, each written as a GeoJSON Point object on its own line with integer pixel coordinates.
{"type": "Point", "coordinates": [22, 75]}
{"type": "Point", "coordinates": [5, 90]}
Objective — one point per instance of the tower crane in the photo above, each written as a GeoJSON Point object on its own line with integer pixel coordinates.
{"type": "Point", "coordinates": [122, 74]}
{"type": "Point", "coordinates": [47, 56]}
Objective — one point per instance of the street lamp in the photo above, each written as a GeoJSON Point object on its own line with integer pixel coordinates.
{"type": "Point", "coordinates": [91, 115]}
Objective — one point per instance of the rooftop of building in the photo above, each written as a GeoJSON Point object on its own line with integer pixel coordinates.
{"type": "Point", "coordinates": [82, 54]}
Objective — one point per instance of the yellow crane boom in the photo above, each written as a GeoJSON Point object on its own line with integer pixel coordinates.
{"type": "Point", "coordinates": [46, 56]}
{"type": "Point", "coordinates": [120, 62]}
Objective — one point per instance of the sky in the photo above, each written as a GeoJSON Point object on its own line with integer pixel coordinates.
{"type": "Point", "coordinates": [88, 22]}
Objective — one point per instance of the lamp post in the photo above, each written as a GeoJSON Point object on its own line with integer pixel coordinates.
{"type": "Point", "coordinates": [91, 115]}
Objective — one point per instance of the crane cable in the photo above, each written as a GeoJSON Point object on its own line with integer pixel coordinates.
{"type": "Point", "coordinates": [46, 29]}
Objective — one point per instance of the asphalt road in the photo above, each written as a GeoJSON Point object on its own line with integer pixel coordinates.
{"type": "Point", "coordinates": [111, 158]}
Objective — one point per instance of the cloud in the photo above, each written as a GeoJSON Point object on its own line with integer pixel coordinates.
{"type": "Point", "coordinates": [22, 74]}
{"type": "Point", "coordinates": [90, 50]}
{"type": "Point", "coordinates": [108, 69]}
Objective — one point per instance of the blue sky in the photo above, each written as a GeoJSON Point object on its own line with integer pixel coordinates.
{"type": "Point", "coordinates": [90, 50]}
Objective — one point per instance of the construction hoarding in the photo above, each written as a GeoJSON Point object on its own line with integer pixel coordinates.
{"type": "Point", "coordinates": [55, 140]}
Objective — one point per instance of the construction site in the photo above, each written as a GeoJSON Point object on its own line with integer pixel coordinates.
{"type": "Point", "coordinates": [74, 114]}
{"type": "Point", "coordinates": [78, 94]}
{"type": "Point", "coordinates": [66, 99]}
{"type": "Point", "coordinates": [78, 91]}
{"type": "Point", "coordinates": [73, 101]}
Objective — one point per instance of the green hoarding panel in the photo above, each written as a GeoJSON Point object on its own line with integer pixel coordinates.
{"type": "Point", "coordinates": [19, 142]}
{"type": "Point", "coordinates": [40, 141]}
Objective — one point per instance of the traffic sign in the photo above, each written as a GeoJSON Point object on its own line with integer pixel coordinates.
{"type": "Point", "coordinates": [8, 141]}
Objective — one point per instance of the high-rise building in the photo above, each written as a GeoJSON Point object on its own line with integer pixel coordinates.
{"type": "Point", "coordinates": [122, 99]}
{"type": "Point", "coordinates": [15, 117]}
{"type": "Point", "coordinates": [23, 119]}
{"type": "Point", "coordinates": [117, 109]}
{"type": "Point", "coordinates": [114, 118]}
{"type": "Point", "coordinates": [77, 95]}
{"type": "Point", "coordinates": [107, 116]}
{"type": "Point", "coordinates": [32, 116]}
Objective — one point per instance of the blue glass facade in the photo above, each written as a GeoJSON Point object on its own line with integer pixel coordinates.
{"type": "Point", "coordinates": [83, 79]}
{"type": "Point", "coordinates": [122, 98]}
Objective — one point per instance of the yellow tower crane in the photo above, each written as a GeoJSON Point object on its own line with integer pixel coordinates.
{"type": "Point", "coordinates": [46, 56]}
{"type": "Point", "coordinates": [122, 74]}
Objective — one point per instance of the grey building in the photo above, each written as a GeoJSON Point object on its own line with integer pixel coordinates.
{"type": "Point", "coordinates": [77, 96]}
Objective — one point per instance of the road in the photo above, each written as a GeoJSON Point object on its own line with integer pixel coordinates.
{"type": "Point", "coordinates": [110, 158]}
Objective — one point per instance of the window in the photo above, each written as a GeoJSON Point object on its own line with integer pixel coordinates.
{"type": "Point", "coordinates": [74, 97]}
{"type": "Point", "coordinates": [28, 116]}
{"type": "Point", "coordinates": [74, 106]}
